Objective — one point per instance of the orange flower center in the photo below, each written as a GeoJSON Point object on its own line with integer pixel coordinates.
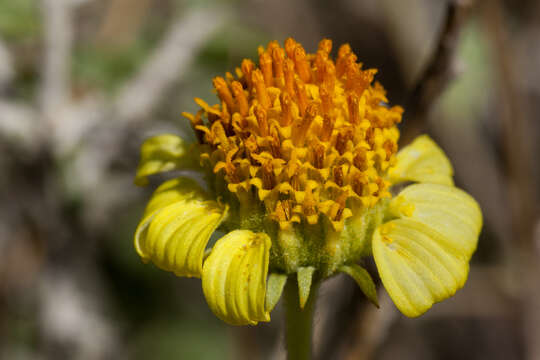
{"type": "Point", "coordinates": [303, 134]}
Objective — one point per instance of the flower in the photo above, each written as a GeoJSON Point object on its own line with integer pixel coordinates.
{"type": "Point", "coordinates": [300, 163]}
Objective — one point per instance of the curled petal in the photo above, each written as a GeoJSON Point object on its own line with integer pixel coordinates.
{"type": "Point", "coordinates": [172, 191]}
{"type": "Point", "coordinates": [162, 153]}
{"type": "Point", "coordinates": [234, 277]}
{"type": "Point", "coordinates": [417, 265]}
{"type": "Point", "coordinates": [422, 161]}
{"type": "Point", "coordinates": [177, 226]}
{"type": "Point", "coordinates": [446, 209]}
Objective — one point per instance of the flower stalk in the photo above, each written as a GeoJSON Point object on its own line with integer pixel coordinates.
{"type": "Point", "coordinates": [298, 321]}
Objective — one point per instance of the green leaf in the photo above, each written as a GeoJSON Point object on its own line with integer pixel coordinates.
{"type": "Point", "coordinates": [274, 289]}
{"type": "Point", "coordinates": [305, 278]}
{"type": "Point", "coordinates": [364, 281]}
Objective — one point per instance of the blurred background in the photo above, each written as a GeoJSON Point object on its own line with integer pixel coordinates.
{"type": "Point", "coordinates": [84, 82]}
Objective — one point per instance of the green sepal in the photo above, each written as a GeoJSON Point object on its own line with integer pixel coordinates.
{"type": "Point", "coordinates": [274, 288]}
{"type": "Point", "coordinates": [364, 281]}
{"type": "Point", "coordinates": [305, 278]}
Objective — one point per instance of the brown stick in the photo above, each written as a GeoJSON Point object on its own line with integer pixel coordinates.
{"type": "Point", "coordinates": [519, 157]}
{"type": "Point", "coordinates": [439, 71]}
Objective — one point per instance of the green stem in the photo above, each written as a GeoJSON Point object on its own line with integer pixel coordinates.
{"type": "Point", "coordinates": [298, 322]}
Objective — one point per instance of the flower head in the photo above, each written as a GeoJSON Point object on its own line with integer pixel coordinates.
{"type": "Point", "coordinates": [299, 158]}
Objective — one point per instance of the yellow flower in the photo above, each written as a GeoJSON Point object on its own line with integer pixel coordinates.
{"type": "Point", "coordinates": [299, 157]}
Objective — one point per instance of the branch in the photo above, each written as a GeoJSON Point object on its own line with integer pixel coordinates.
{"type": "Point", "coordinates": [17, 122]}
{"type": "Point", "coordinates": [170, 60]}
{"type": "Point", "coordinates": [58, 40]}
{"type": "Point", "coordinates": [440, 69]}
{"type": "Point", "coordinates": [6, 66]}
{"type": "Point", "coordinates": [373, 326]}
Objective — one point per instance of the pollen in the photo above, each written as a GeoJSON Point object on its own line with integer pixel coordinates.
{"type": "Point", "coordinates": [306, 136]}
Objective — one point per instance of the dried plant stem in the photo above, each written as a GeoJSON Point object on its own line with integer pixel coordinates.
{"type": "Point", "coordinates": [438, 72]}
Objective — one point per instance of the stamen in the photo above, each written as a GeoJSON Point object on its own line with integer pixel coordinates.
{"type": "Point", "coordinates": [360, 160]}
{"type": "Point", "coordinates": [352, 70]}
{"type": "Point", "coordinates": [301, 96]}
{"type": "Point", "coordinates": [267, 175]}
{"type": "Point", "coordinates": [302, 65]}
{"type": "Point", "coordinates": [325, 45]}
{"type": "Point", "coordinates": [230, 169]}
{"type": "Point", "coordinates": [309, 205]}
{"type": "Point", "coordinates": [223, 91]}
{"type": "Point", "coordinates": [290, 46]}
{"type": "Point", "coordinates": [294, 171]}
{"type": "Point", "coordinates": [275, 144]}
{"type": "Point", "coordinates": [320, 60]}
{"type": "Point", "coordinates": [327, 128]}
{"type": "Point", "coordinates": [220, 137]}
{"type": "Point", "coordinates": [354, 109]}
{"type": "Point", "coordinates": [289, 76]}
{"type": "Point", "coordinates": [358, 184]}
{"type": "Point", "coordinates": [329, 77]}
{"type": "Point", "coordinates": [247, 67]}
{"type": "Point", "coordinates": [278, 57]}
{"type": "Point", "coordinates": [390, 147]}
{"type": "Point", "coordinates": [341, 141]}
{"type": "Point", "coordinates": [260, 114]}
{"type": "Point", "coordinates": [300, 129]}
{"type": "Point", "coordinates": [318, 156]}
{"type": "Point", "coordinates": [326, 98]}
{"type": "Point", "coordinates": [286, 109]}
{"type": "Point", "coordinates": [226, 118]}
{"type": "Point", "coordinates": [262, 94]}
{"type": "Point", "coordinates": [265, 63]}
{"type": "Point", "coordinates": [273, 44]}
{"type": "Point", "coordinates": [196, 121]}
{"type": "Point", "coordinates": [340, 205]}
{"type": "Point", "coordinates": [283, 210]}
{"type": "Point", "coordinates": [240, 97]}
{"type": "Point", "coordinates": [251, 147]}
{"type": "Point", "coordinates": [343, 52]}
{"type": "Point", "coordinates": [338, 175]}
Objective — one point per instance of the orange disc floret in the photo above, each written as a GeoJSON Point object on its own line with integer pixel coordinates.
{"type": "Point", "coordinates": [302, 133]}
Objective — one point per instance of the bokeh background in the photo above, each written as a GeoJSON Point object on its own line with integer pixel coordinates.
{"type": "Point", "coordinates": [83, 82]}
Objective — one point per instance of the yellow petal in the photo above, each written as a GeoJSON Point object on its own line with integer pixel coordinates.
{"type": "Point", "coordinates": [417, 265]}
{"type": "Point", "coordinates": [422, 161]}
{"type": "Point", "coordinates": [234, 277]}
{"type": "Point", "coordinates": [177, 226]}
{"type": "Point", "coordinates": [448, 210]}
{"type": "Point", "coordinates": [162, 153]}
{"type": "Point", "coordinates": [172, 191]}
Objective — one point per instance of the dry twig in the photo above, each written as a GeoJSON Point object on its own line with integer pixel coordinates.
{"type": "Point", "coordinates": [439, 71]}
